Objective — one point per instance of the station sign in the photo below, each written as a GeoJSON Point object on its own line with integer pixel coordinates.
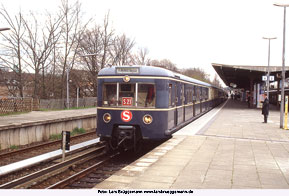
{"type": "Point", "coordinates": [271, 78]}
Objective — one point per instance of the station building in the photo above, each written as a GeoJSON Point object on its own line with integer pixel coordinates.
{"type": "Point", "coordinates": [249, 81]}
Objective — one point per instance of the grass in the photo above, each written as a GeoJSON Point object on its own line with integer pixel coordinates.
{"type": "Point", "coordinates": [55, 136]}
{"type": "Point", "coordinates": [75, 131]}
{"type": "Point", "coordinates": [73, 108]}
{"type": "Point", "coordinates": [46, 110]}
{"type": "Point", "coordinates": [79, 108]}
{"type": "Point", "coordinates": [14, 147]}
{"type": "Point", "coordinates": [13, 113]}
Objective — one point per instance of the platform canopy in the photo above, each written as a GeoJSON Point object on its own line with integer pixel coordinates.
{"type": "Point", "coordinates": [243, 75]}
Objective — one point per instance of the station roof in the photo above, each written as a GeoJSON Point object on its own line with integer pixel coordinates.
{"type": "Point", "coordinates": [241, 74]}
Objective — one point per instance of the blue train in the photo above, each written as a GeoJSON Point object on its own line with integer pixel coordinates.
{"type": "Point", "coordinates": [144, 102]}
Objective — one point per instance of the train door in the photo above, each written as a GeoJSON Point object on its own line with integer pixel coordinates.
{"type": "Point", "coordinates": [183, 101]}
{"type": "Point", "coordinates": [194, 100]}
{"type": "Point", "coordinates": [201, 99]}
{"type": "Point", "coordinates": [179, 103]}
{"type": "Point", "coordinates": [176, 104]}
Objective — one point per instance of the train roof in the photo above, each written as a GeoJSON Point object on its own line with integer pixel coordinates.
{"type": "Point", "coordinates": [149, 71]}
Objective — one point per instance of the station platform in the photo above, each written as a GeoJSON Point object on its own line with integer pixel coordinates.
{"type": "Point", "coordinates": [38, 126]}
{"type": "Point", "coordinates": [35, 117]}
{"type": "Point", "coordinates": [228, 148]}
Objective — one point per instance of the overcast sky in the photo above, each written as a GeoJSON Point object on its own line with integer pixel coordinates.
{"type": "Point", "coordinates": [190, 33]}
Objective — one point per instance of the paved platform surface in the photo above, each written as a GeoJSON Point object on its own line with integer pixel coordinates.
{"type": "Point", "coordinates": [235, 150]}
{"type": "Point", "coordinates": [43, 116]}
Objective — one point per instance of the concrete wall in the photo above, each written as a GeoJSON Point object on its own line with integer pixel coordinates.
{"type": "Point", "coordinates": [40, 131]}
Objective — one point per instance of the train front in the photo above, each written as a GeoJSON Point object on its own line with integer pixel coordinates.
{"type": "Point", "coordinates": [126, 109]}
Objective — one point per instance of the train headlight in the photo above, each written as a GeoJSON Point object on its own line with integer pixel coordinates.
{"type": "Point", "coordinates": [106, 117]}
{"type": "Point", "coordinates": [147, 119]}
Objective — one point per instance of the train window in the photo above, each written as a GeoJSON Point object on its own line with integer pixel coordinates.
{"type": "Point", "coordinates": [183, 94]}
{"type": "Point", "coordinates": [171, 100]}
{"type": "Point", "coordinates": [125, 87]}
{"type": "Point", "coordinates": [194, 94]}
{"type": "Point", "coordinates": [126, 95]}
{"type": "Point", "coordinates": [198, 93]}
{"type": "Point", "coordinates": [109, 95]}
{"type": "Point", "coordinates": [189, 94]}
{"type": "Point", "coordinates": [205, 93]}
{"type": "Point", "coordinates": [146, 95]}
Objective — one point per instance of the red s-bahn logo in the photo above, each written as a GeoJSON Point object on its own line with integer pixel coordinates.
{"type": "Point", "coordinates": [126, 116]}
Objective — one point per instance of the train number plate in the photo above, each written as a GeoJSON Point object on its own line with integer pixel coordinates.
{"type": "Point", "coordinates": [127, 101]}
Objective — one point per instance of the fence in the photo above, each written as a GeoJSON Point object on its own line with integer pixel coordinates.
{"type": "Point", "coordinates": [10, 105]}
{"type": "Point", "coordinates": [61, 103]}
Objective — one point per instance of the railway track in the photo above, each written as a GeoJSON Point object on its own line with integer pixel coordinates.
{"type": "Point", "coordinates": [27, 152]}
{"type": "Point", "coordinates": [80, 171]}
{"type": "Point", "coordinates": [32, 179]}
{"type": "Point", "coordinates": [89, 176]}
{"type": "Point", "coordinates": [73, 181]}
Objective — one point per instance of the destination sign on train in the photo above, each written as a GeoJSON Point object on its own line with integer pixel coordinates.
{"type": "Point", "coordinates": [127, 70]}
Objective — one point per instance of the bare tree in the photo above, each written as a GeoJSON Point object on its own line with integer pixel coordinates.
{"type": "Point", "coordinates": [53, 87]}
{"type": "Point", "coordinates": [106, 37]}
{"type": "Point", "coordinates": [12, 56]}
{"type": "Point", "coordinates": [197, 73]}
{"type": "Point", "coordinates": [93, 48]}
{"type": "Point", "coordinates": [216, 81]}
{"type": "Point", "coordinates": [38, 46]}
{"type": "Point", "coordinates": [72, 30]}
{"type": "Point", "coordinates": [141, 58]}
{"type": "Point", "coordinates": [120, 53]}
{"type": "Point", "coordinates": [165, 63]}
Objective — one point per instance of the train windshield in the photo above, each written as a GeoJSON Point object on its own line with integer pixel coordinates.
{"type": "Point", "coordinates": [129, 95]}
{"type": "Point", "coordinates": [109, 95]}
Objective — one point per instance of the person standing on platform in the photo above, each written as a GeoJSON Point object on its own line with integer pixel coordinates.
{"type": "Point", "coordinates": [248, 100]}
{"type": "Point", "coordinates": [265, 108]}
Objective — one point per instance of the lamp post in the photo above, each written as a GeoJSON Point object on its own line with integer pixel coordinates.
{"type": "Point", "coordinates": [67, 87]}
{"type": "Point", "coordinates": [85, 55]}
{"type": "Point", "coordinates": [283, 65]}
{"type": "Point", "coordinates": [4, 29]}
{"type": "Point", "coordinates": [268, 70]}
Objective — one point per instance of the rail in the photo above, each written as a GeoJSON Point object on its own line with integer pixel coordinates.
{"type": "Point", "coordinates": [81, 174]}
{"type": "Point", "coordinates": [28, 180]}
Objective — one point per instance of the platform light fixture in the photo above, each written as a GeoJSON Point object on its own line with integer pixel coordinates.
{"type": "Point", "coordinates": [283, 65]}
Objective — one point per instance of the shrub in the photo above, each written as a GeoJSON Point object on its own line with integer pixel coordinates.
{"type": "Point", "coordinates": [14, 147]}
{"type": "Point", "coordinates": [55, 137]}
{"type": "Point", "coordinates": [77, 131]}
